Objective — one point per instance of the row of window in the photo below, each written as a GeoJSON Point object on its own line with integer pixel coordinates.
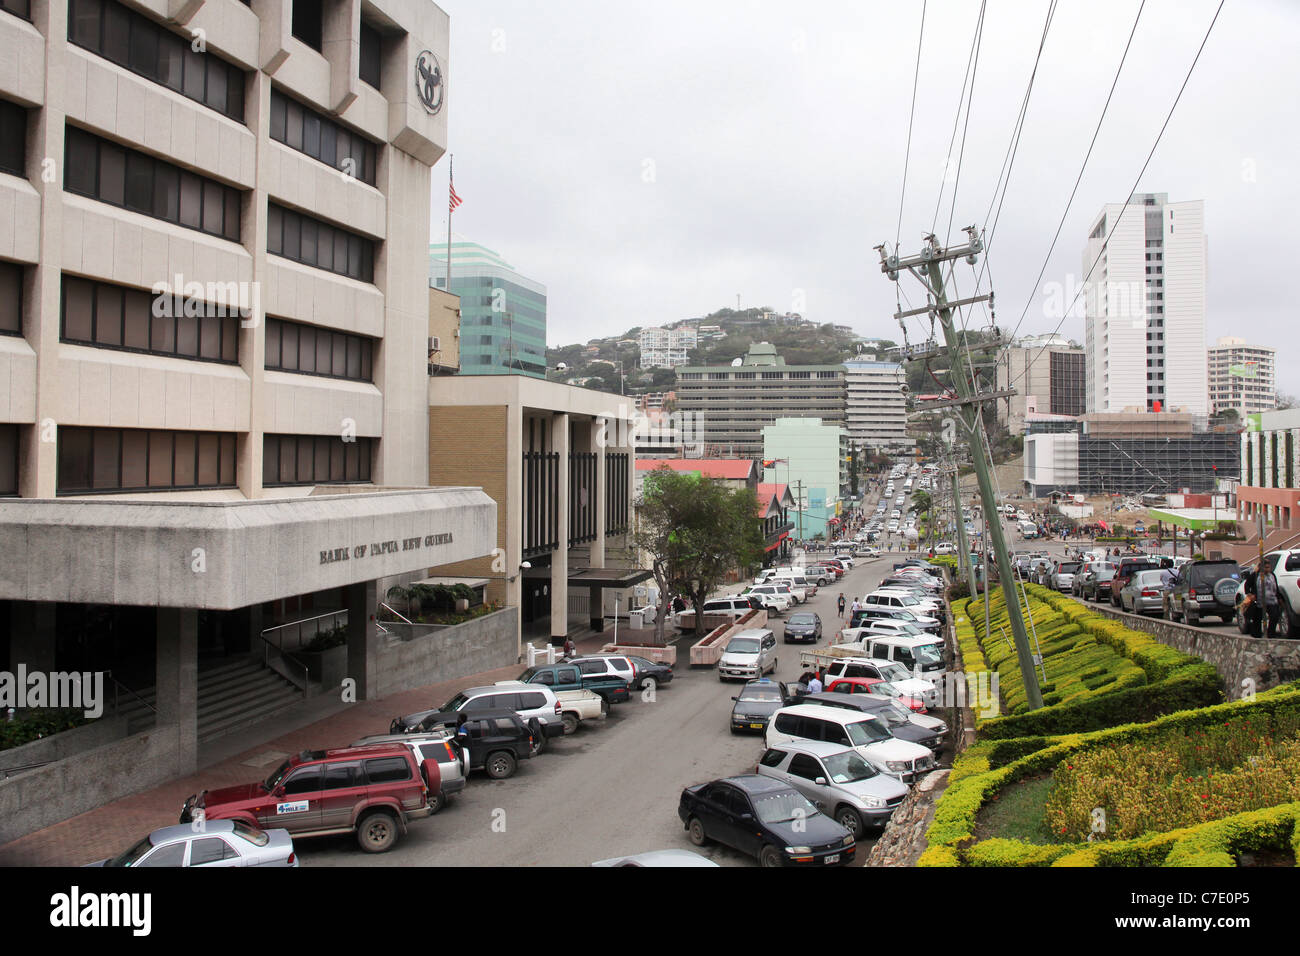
{"type": "Point", "coordinates": [314, 460]}
{"type": "Point", "coordinates": [144, 47]}
{"type": "Point", "coordinates": [315, 243]}
{"type": "Point", "coordinates": [13, 138]}
{"type": "Point", "coordinates": [121, 177]}
{"type": "Point", "coordinates": [294, 347]}
{"type": "Point", "coordinates": [112, 316]}
{"type": "Point", "coordinates": [8, 461]}
{"type": "Point", "coordinates": [11, 299]}
{"type": "Point", "coordinates": [301, 128]}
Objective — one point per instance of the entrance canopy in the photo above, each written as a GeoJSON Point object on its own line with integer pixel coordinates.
{"type": "Point", "coordinates": [1194, 519]}
{"type": "Point", "coordinates": [228, 555]}
{"type": "Point", "coordinates": [594, 577]}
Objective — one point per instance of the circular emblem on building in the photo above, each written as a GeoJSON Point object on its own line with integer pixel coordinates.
{"type": "Point", "coordinates": [429, 85]}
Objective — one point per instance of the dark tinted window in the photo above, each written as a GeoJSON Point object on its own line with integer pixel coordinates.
{"type": "Point", "coordinates": [1208, 572]}
{"type": "Point", "coordinates": [313, 351]}
{"type": "Point", "coordinates": [304, 780]}
{"type": "Point", "coordinates": [21, 8]}
{"type": "Point", "coordinates": [115, 459]}
{"type": "Point", "coordinates": [339, 776]}
{"type": "Point", "coordinates": [371, 49]}
{"type": "Point", "coordinates": [387, 770]}
{"type": "Point", "coordinates": [8, 461]}
{"type": "Point", "coordinates": [13, 138]}
{"type": "Point", "coordinates": [173, 854]}
{"type": "Point", "coordinates": [300, 128]}
{"type": "Point", "coordinates": [772, 758]}
{"type": "Point", "coordinates": [356, 262]}
{"type": "Point", "coordinates": [134, 41]}
{"type": "Point", "coordinates": [801, 765]}
{"type": "Point", "coordinates": [531, 701]}
{"type": "Point", "coordinates": [11, 299]}
{"type": "Point", "coordinates": [307, 22]}
{"type": "Point", "coordinates": [315, 460]}
{"type": "Point", "coordinates": [111, 316]}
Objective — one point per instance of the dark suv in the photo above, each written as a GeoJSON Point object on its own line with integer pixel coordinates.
{"type": "Point", "coordinates": [371, 791]}
{"type": "Point", "coordinates": [1204, 588]}
{"type": "Point", "coordinates": [1125, 570]}
{"type": "Point", "coordinates": [496, 740]}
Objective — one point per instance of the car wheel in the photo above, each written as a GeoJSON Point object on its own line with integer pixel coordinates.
{"type": "Point", "coordinates": [539, 742]}
{"type": "Point", "coordinates": [1285, 623]}
{"type": "Point", "coordinates": [604, 706]}
{"type": "Point", "coordinates": [650, 684]}
{"type": "Point", "coordinates": [570, 722]}
{"type": "Point", "coordinates": [852, 821]}
{"type": "Point", "coordinates": [695, 829]}
{"type": "Point", "coordinates": [438, 803]}
{"type": "Point", "coordinates": [770, 856]}
{"type": "Point", "coordinates": [500, 765]}
{"type": "Point", "coordinates": [377, 832]}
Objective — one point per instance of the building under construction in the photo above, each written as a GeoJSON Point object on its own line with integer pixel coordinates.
{"type": "Point", "coordinates": [1129, 453]}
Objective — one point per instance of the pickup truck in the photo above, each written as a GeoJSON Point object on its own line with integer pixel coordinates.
{"type": "Point", "coordinates": [850, 660]}
{"type": "Point", "coordinates": [567, 677]}
{"type": "Point", "coordinates": [579, 705]}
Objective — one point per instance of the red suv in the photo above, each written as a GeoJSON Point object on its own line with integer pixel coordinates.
{"type": "Point", "coordinates": [371, 791]}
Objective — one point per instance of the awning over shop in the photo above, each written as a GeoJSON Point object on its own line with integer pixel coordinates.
{"type": "Point", "coordinates": [593, 577]}
{"type": "Point", "coordinates": [1194, 519]}
{"type": "Point", "coordinates": [777, 543]}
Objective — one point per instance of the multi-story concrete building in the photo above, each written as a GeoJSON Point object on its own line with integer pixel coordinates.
{"type": "Point", "coordinates": [502, 312]}
{"type": "Point", "coordinates": [213, 319]}
{"type": "Point", "coordinates": [666, 348]}
{"type": "Point", "coordinates": [729, 405]}
{"type": "Point", "coordinates": [1049, 375]}
{"type": "Point", "coordinates": [1145, 305]}
{"type": "Point", "coordinates": [1241, 377]}
{"type": "Point", "coordinates": [876, 405]}
{"type": "Point", "coordinates": [812, 458]}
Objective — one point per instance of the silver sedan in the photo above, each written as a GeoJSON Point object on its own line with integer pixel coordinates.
{"type": "Point", "coordinates": [1144, 593]}
{"type": "Point", "coordinates": [209, 843]}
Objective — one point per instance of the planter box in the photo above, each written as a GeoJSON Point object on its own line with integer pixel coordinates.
{"type": "Point", "coordinates": [326, 668]}
{"type": "Point", "coordinates": [651, 652]}
{"type": "Point", "coordinates": [707, 651]}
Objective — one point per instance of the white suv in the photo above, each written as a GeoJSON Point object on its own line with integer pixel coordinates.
{"type": "Point", "coordinates": [748, 655]}
{"type": "Point", "coordinates": [869, 736]}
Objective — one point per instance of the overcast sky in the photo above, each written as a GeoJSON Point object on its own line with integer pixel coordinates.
{"type": "Point", "coordinates": [648, 163]}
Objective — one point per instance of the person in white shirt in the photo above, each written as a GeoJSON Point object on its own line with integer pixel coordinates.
{"type": "Point", "coordinates": [815, 685]}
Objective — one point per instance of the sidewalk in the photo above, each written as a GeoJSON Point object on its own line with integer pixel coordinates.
{"type": "Point", "coordinates": [239, 758]}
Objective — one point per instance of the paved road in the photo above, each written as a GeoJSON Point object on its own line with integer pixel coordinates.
{"type": "Point", "coordinates": [612, 788]}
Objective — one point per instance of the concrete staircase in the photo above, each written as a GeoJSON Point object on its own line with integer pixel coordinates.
{"type": "Point", "coordinates": [232, 695]}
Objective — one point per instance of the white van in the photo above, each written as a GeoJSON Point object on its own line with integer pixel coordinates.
{"type": "Point", "coordinates": [1028, 530]}
{"type": "Point", "coordinates": [748, 655]}
{"type": "Point", "coordinates": [869, 736]}
{"type": "Point", "coordinates": [923, 656]}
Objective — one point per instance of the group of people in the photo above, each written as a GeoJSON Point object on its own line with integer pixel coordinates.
{"type": "Point", "coordinates": [842, 602]}
{"type": "Point", "coordinates": [1256, 580]}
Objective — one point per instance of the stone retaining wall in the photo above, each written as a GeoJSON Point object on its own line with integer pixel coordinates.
{"type": "Point", "coordinates": [904, 839]}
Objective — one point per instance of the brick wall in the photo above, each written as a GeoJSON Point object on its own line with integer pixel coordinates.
{"type": "Point", "coordinates": [467, 447]}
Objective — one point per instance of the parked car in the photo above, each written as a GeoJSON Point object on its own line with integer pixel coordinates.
{"type": "Point", "coordinates": [838, 780]}
{"type": "Point", "coordinates": [776, 600]}
{"type": "Point", "coordinates": [872, 612]}
{"type": "Point", "coordinates": [803, 626]}
{"type": "Point", "coordinates": [650, 674]}
{"type": "Point", "coordinates": [1126, 568]}
{"type": "Point", "coordinates": [220, 843]}
{"type": "Point", "coordinates": [766, 819]}
{"type": "Point", "coordinates": [534, 702]}
{"type": "Point", "coordinates": [875, 687]}
{"type": "Point", "coordinates": [438, 745]}
{"type": "Point", "coordinates": [923, 692]}
{"type": "Point", "coordinates": [1062, 578]}
{"type": "Point", "coordinates": [867, 735]}
{"type": "Point", "coordinates": [496, 740]}
{"type": "Point", "coordinates": [750, 653]}
{"type": "Point", "coordinates": [567, 677]}
{"type": "Point", "coordinates": [1202, 589]}
{"type": "Point", "coordinates": [1145, 593]}
{"type": "Point", "coordinates": [945, 547]}
{"type": "Point", "coordinates": [658, 858]}
{"type": "Point", "coordinates": [607, 665]}
{"type": "Point", "coordinates": [1096, 580]}
{"type": "Point", "coordinates": [733, 607]}
{"type": "Point", "coordinates": [372, 792]}
{"type": "Point", "coordinates": [890, 711]}
{"type": "Point", "coordinates": [758, 700]}
{"type": "Point", "coordinates": [924, 656]}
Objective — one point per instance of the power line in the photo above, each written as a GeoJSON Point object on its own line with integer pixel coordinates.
{"type": "Point", "coordinates": [956, 119]}
{"type": "Point", "coordinates": [1106, 242]}
{"type": "Point", "coordinates": [911, 115]}
{"type": "Point", "coordinates": [1088, 155]}
{"type": "Point", "coordinates": [961, 155]}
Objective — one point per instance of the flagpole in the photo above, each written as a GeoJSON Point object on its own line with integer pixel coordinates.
{"type": "Point", "coordinates": [451, 179]}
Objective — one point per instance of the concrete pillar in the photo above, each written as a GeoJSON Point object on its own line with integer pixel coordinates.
{"type": "Point", "coordinates": [510, 514]}
{"type": "Point", "coordinates": [177, 683]}
{"type": "Point", "coordinates": [363, 640]}
{"type": "Point", "coordinates": [31, 635]}
{"type": "Point", "coordinates": [560, 559]}
{"type": "Point", "coordinates": [597, 609]}
{"type": "Point", "coordinates": [600, 437]}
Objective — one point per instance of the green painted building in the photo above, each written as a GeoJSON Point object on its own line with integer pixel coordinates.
{"type": "Point", "coordinates": [502, 313]}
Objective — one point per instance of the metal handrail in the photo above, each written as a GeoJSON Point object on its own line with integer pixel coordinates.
{"type": "Point", "coordinates": [1249, 562]}
{"type": "Point", "coordinates": [118, 684]}
{"type": "Point", "coordinates": [284, 655]}
{"type": "Point", "coordinates": [404, 620]}
{"type": "Point", "coordinates": [305, 620]}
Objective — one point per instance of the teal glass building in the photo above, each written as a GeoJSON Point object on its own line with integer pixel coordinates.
{"type": "Point", "coordinates": [502, 313]}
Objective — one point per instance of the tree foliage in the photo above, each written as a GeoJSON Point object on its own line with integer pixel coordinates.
{"type": "Point", "coordinates": [694, 530]}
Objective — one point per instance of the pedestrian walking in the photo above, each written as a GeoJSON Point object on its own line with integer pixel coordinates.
{"type": "Point", "coordinates": [841, 603]}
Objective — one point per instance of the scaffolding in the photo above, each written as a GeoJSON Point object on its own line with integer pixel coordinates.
{"type": "Point", "coordinates": [1138, 466]}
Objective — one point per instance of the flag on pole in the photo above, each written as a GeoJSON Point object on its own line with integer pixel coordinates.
{"type": "Point", "coordinates": [452, 200]}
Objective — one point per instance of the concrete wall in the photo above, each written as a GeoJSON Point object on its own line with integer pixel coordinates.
{"type": "Point", "coordinates": [31, 801]}
{"type": "Point", "coordinates": [482, 644]}
{"type": "Point", "coordinates": [57, 746]}
{"type": "Point", "coordinates": [1236, 656]}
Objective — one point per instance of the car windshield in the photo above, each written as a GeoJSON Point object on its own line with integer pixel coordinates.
{"type": "Point", "coordinates": [763, 692]}
{"type": "Point", "coordinates": [1066, 568]}
{"type": "Point", "coordinates": [848, 767]}
{"type": "Point", "coordinates": [783, 806]}
{"type": "Point", "coordinates": [896, 708]}
{"type": "Point", "coordinates": [250, 833]}
{"type": "Point", "coordinates": [742, 645]}
{"type": "Point", "coordinates": [1209, 573]}
{"type": "Point", "coordinates": [928, 654]}
{"type": "Point", "coordinates": [892, 671]}
{"type": "Point", "coordinates": [802, 619]}
{"type": "Point", "coordinates": [868, 731]}
{"type": "Point", "coordinates": [133, 854]}
{"type": "Point", "coordinates": [273, 781]}
{"type": "Point", "coordinates": [456, 703]}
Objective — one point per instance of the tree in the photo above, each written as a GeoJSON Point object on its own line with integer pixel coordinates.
{"type": "Point", "coordinates": [853, 471]}
{"type": "Point", "coordinates": [694, 530]}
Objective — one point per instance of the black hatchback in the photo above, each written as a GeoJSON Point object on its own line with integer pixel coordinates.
{"type": "Point", "coordinates": [496, 740]}
{"type": "Point", "coordinates": [766, 819]}
{"type": "Point", "coordinates": [803, 626]}
{"type": "Point", "coordinates": [758, 701]}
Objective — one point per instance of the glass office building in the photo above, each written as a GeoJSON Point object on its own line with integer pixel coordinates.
{"type": "Point", "coordinates": [502, 313]}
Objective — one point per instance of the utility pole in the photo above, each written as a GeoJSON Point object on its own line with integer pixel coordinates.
{"type": "Point", "coordinates": [927, 267]}
{"type": "Point", "coordinates": [799, 501]}
{"type": "Point", "coordinates": [963, 550]}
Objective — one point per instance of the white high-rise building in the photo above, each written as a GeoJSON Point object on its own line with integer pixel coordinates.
{"type": "Point", "coordinates": [1145, 306]}
{"type": "Point", "coordinates": [666, 348]}
{"type": "Point", "coordinates": [1241, 377]}
{"type": "Point", "coordinates": [876, 412]}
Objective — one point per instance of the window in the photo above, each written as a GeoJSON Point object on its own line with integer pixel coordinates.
{"type": "Point", "coordinates": [211, 850]}
{"type": "Point", "coordinates": [340, 776]}
{"type": "Point", "coordinates": [315, 460]}
{"type": "Point", "coordinates": [306, 780]}
{"type": "Point", "coordinates": [19, 8]}
{"type": "Point", "coordinates": [112, 316]}
{"type": "Point", "coordinates": [133, 41]}
{"type": "Point", "coordinates": [173, 854]}
{"type": "Point", "coordinates": [96, 460]}
{"type": "Point", "coordinates": [121, 177]}
{"type": "Point", "coordinates": [371, 50]}
{"type": "Point", "coordinates": [336, 250]}
{"type": "Point", "coordinates": [11, 299]}
{"type": "Point", "coordinates": [13, 138]}
{"type": "Point", "coordinates": [804, 766]}
{"type": "Point", "coordinates": [772, 758]}
{"type": "Point", "coordinates": [387, 769]}
{"type": "Point", "coordinates": [298, 127]}
{"type": "Point", "coordinates": [306, 24]}
{"type": "Point", "coordinates": [8, 461]}
{"type": "Point", "coordinates": [317, 351]}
